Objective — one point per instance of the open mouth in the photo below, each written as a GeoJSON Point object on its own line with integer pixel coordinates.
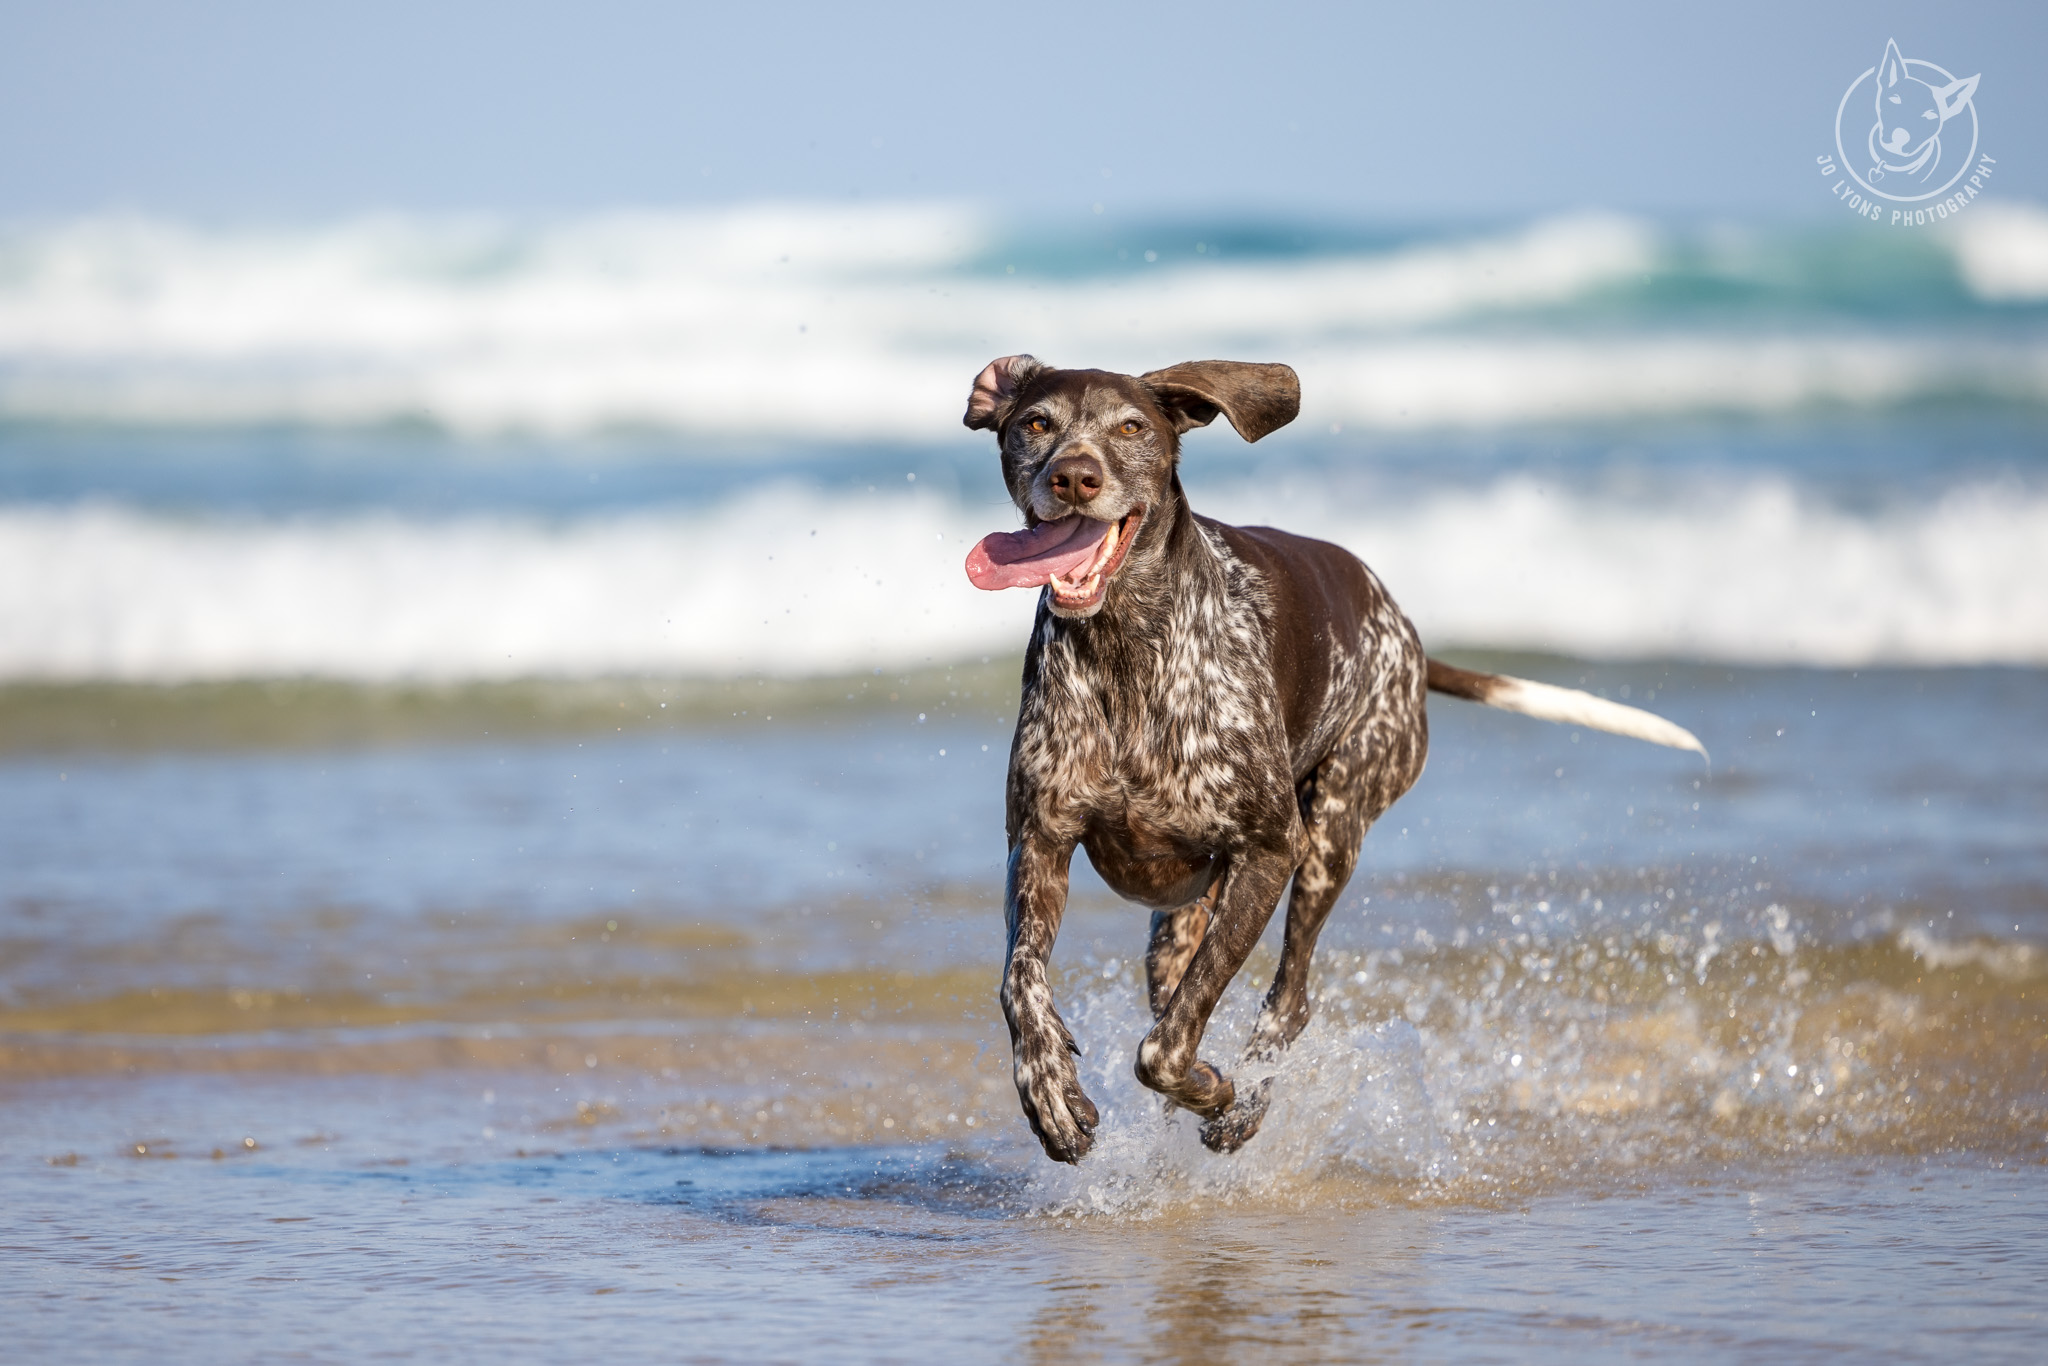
{"type": "Point", "coordinates": [1087, 584]}
{"type": "Point", "coordinates": [1076, 556]}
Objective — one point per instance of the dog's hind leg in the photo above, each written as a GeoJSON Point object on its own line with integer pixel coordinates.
{"type": "Point", "coordinates": [1245, 898]}
{"type": "Point", "coordinates": [1340, 799]}
{"type": "Point", "coordinates": [1335, 822]}
{"type": "Point", "coordinates": [1176, 934]}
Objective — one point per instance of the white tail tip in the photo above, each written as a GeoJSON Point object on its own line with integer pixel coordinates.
{"type": "Point", "coordinates": [1570, 707]}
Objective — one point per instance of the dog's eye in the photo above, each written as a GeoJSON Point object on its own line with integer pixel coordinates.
{"type": "Point", "coordinates": [1131, 427]}
{"type": "Point", "coordinates": [1036, 422]}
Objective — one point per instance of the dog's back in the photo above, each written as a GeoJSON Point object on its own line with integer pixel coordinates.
{"type": "Point", "coordinates": [1340, 650]}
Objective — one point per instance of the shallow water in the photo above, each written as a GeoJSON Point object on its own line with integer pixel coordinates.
{"type": "Point", "coordinates": [412, 1244]}
{"type": "Point", "coordinates": [485, 1032]}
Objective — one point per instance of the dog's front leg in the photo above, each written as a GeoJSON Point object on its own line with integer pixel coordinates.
{"type": "Point", "coordinates": [1167, 1060]}
{"type": "Point", "coordinates": [1042, 1051]}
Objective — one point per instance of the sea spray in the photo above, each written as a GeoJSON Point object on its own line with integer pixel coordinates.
{"type": "Point", "coordinates": [1567, 1046]}
{"type": "Point", "coordinates": [1348, 1100]}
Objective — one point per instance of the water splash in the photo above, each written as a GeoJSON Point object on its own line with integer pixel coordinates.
{"type": "Point", "coordinates": [1506, 1066]}
{"type": "Point", "coordinates": [1349, 1101]}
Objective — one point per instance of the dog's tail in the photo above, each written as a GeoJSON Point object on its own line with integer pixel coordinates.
{"type": "Point", "coordinates": [1566, 705]}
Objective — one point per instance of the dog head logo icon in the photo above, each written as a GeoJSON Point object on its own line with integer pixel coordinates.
{"type": "Point", "coordinates": [1916, 147]}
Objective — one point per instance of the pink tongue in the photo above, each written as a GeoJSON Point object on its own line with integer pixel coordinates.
{"type": "Point", "coordinates": [1026, 559]}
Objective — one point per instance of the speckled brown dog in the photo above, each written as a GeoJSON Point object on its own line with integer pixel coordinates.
{"type": "Point", "coordinates": [1210, 711]}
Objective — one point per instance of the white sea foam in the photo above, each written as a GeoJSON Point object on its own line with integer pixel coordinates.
{"type": "Point", "coordinates": [781, 582]}
{"type": "Point", "coordinates": [2002, 250]}
{"type": "Point", "coordinates": [790, 581]}
{"type": "Point", "coordinates": [1753, 572]}
{"type": "Point", "coordinates": [857, 324]}
{"type": "Point", "coordinates": [1477, 382]}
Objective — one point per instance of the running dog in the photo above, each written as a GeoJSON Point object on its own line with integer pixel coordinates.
{"type": "Point", "coordinates": [1210, 711]}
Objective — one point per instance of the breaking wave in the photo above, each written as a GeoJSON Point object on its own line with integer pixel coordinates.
{"type": "Point", "coordinates": [790, 581]}
{"type": "Point", "coordinates": [2003, 252]}
{"type": "Point", "coordinates": [858, 324]}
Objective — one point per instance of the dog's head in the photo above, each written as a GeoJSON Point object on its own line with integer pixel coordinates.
{"type": "Point", "coordinates": [1910, 111]}
{"type": "Point", "coordinates": [1089, 459]}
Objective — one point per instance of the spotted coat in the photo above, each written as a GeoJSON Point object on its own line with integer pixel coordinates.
{"type": "Point", "coordinates": [1231, 711]}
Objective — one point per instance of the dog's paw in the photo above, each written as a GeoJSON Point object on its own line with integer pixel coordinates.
{"type": "Point", "coordinates": [1206, 1091]}
{"type": "Point", "coordinates": [1059, 1111]}
{"type": "Point", "coordinates": [1232, 1129]}
{"type": "Point", "coordinates": [1061, 1117]}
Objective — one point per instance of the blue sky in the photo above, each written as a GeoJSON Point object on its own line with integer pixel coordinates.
{"type": "Point", "coordinates": [290, 110]}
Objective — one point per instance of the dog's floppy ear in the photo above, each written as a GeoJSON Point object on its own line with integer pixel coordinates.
{"type": "Point", "coordinates": [1256, 398]}
{"type": "Point", "coordinates": [996, 388]}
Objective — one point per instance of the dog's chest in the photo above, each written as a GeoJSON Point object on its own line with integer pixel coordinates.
{"type": "Point", "coordinates": [1167, 739]}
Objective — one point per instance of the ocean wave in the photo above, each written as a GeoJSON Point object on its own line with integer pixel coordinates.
{"type": "Point", "coordinates": [1755, 572]}
{"type": "Point", "coordinates": [854, 324]}
{"type": "Point", "coordinates": [780, 582]}
{"type": "Point", "coordinates": [859, 393]}
{"type": "Point", "coordinates": [1480, 382]}
{"type": "Point", "coordinates": [2002, 251]}
{"type": "Point", "coordinates": [790, 581]}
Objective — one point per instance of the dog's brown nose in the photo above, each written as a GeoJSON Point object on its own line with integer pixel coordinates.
{"type": "Point", "coordinates": [1076, 479]}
